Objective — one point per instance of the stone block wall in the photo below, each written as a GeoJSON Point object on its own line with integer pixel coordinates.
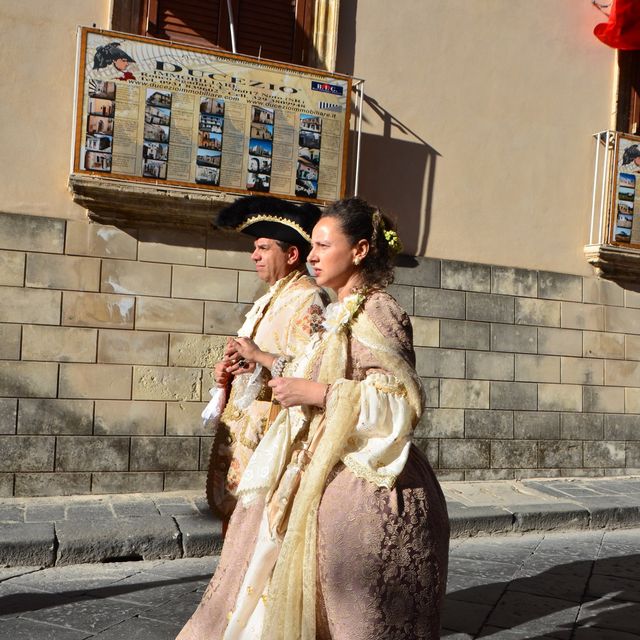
{"type": "Point", "coordinates": [107, 339]}
{"type": "Point", "coordinates": [108, 336]}
{"type": "Point", "coordinates": [528, 373]}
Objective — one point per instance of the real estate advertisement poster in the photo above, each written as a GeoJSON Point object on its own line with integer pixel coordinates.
{"type": "Point", "coordinates": [157, 112]}
{"type": "Point", "coordinates": [625, 216]}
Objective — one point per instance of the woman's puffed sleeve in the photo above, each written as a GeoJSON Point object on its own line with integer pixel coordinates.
{"type": "Point", "coordinates": [379, 446]}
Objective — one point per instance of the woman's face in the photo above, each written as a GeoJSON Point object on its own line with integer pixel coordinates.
{"type": "Point", "coordinates": [332, 254]}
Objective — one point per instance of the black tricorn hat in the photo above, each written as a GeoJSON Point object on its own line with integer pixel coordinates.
{"type": "Point", "coordinates": [268, 217]}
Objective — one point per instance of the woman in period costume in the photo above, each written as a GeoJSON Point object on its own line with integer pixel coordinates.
{"type": "Point", "coordinates": [341, 530]}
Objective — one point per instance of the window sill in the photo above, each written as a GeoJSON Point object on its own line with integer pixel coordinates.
{"type": "Point", "coordinates": [118, 202]}
{"type": "Point", "coordinates": [612, 262]}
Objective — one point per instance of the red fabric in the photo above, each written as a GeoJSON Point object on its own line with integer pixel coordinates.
{"type": "Point", "coordinates": [623, 29]}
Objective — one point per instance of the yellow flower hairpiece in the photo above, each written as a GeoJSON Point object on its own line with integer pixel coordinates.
{"type": "Point", "coordinates": [393, 240]}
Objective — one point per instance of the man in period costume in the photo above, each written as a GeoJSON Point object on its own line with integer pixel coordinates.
{"type": "Point", "coordinates": [281, 322]}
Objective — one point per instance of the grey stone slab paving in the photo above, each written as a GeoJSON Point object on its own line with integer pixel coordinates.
{"type": "Point", "coordinates": [21, 629]}
{"type": "Point", "coordinates": [611, 615]}
{"type": "Point", "coordinates": [168, 499]}
{"type": "Point", "coordinates": [454, 635]}
{"type": "Point", "coordinates": [141, 629]}
{"type": "Point", "coordinates": [623, 566]}
{"type": "Point", "coordinates": [7, 573]}
{"type": "Point", "coordinates": [532, 586]}
{"type": "Point", "coordinates": [86, 614]}
{"type": "Point", "coordinates": [177, 509]}
{"type": "Point", "coordinates": [571, 545]}
{"type": "Point", "coordinates": [17, 600]}
{"type": "Point", "coordinates": [552, 564]}
{"type": "Point", "coordinates": [623, 540]}
{"type": "Point", "coordinates": [616, 587]}
{"type": "Point", "coordinates": [562, 587]}
{"type": "Point", "coordinates": [476, 589]}
{"type": "Point", "coordinates": [467, 617]}
{"type": "Point", "coordinates": [44, 513]}
{"type": "Point", "coordinates": [89, 512]}
{"type": "Point", "coordinates": [135, 508]}
{"type": "Point", "coordinates": [533, 614]}
{"type": "Point", "coordinates": [495, 571]}
{"type": "Point", "coordinates": [564, 489]}
{"type": "Point", "coordinates": [496, 633]}
{"type": "Point", "coordinates": [79, 578]}
{"type": "Point", "coordinates": [187, 567]}
{"type": "Point", "coordinates": [11, 514]}
{"type": "Point", "coordinates": [516, 550]}
{"type": "Point", "coordinates": [177, 611]}
{"type": "Point", "coordinates": [150, 589]}
{"type": "Point", "coordinates": [595, 633]}
{"type": "Point", "coordinates": [555, 585]}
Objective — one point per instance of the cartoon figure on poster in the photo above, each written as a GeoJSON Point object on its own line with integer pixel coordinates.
{"type": "Point", "coordinates": [112, 54]}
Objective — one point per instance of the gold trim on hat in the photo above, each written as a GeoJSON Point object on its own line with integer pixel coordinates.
{"type": "Point", "coordinates": [265, 217]}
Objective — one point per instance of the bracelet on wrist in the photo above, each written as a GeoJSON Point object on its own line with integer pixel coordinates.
{"type": "Point", "coordinates": [277, 368]}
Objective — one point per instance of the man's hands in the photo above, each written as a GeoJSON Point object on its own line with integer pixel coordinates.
{"type": "Point", "coordinates": [246, 350]}
{"type": "Point", "coordinates": [232, 363]}
{"type": "Point", "coordinates": [241, 356]}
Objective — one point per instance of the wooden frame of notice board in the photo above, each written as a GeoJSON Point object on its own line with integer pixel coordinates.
{"type": "Point", "coordinates": [149, 112]}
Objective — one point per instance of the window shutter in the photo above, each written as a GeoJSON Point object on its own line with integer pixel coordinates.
{"type": "Point", "coordinates": [272, 29]}
{"type": "Point", "coordinates": [628, 110]}
{"type": "Point", "coordinates": [192, 21]}
{"type": "Point", "coordinates": [266, 29]}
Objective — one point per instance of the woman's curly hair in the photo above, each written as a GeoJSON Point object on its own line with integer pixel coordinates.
{"type": "Point", "coordinates": [360, 221]}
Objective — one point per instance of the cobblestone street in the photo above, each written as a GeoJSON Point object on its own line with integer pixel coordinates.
{"type": "Point", "coordinates": [577, 585]}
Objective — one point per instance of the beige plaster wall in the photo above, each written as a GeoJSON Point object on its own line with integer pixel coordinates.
{"type": "Point", "coordinates": [498, 100]}
{"type": "Point", "coordinates": [37, 58]}
{"type": "Point", "coordinates": [477, 128]}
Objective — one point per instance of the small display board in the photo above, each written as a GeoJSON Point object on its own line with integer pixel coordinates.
{"type": "Point", "coordinates": [152, 111]}
{"type": "Point", "coordinates": [624, 224]}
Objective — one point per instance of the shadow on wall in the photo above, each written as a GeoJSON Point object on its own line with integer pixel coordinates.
{"type": "Point", "coordinates": [397, 169]}
{"type": "Point", "coordinates": [398, 176]}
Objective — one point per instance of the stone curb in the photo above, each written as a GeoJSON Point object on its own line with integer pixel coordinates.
{"type": "Point", "coordinates": [89, 529]}
{"type": "Point", "coordinates": [486, 520]}
{"type": "Point", "coordinates": [85, 529]}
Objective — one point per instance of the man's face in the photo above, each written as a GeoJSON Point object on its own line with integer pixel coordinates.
{"type": "Point", "coordinates": [121, 64]}
{"type": "Point", "coordinates": [271, 261]}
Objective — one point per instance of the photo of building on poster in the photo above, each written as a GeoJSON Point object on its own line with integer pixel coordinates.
{"type": "Point", "coordinates": [307, 171]}
{"type": "Point", "coordinates": [625, 207]}
{"type": "Point", "coordinates": [260, 149]}
{"type": "Point", "coordinates": [157, 125]}
{"type": "Point", "coordinates": [210, 131]}
{"type": "Point", "coordinates": [101, 110]}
